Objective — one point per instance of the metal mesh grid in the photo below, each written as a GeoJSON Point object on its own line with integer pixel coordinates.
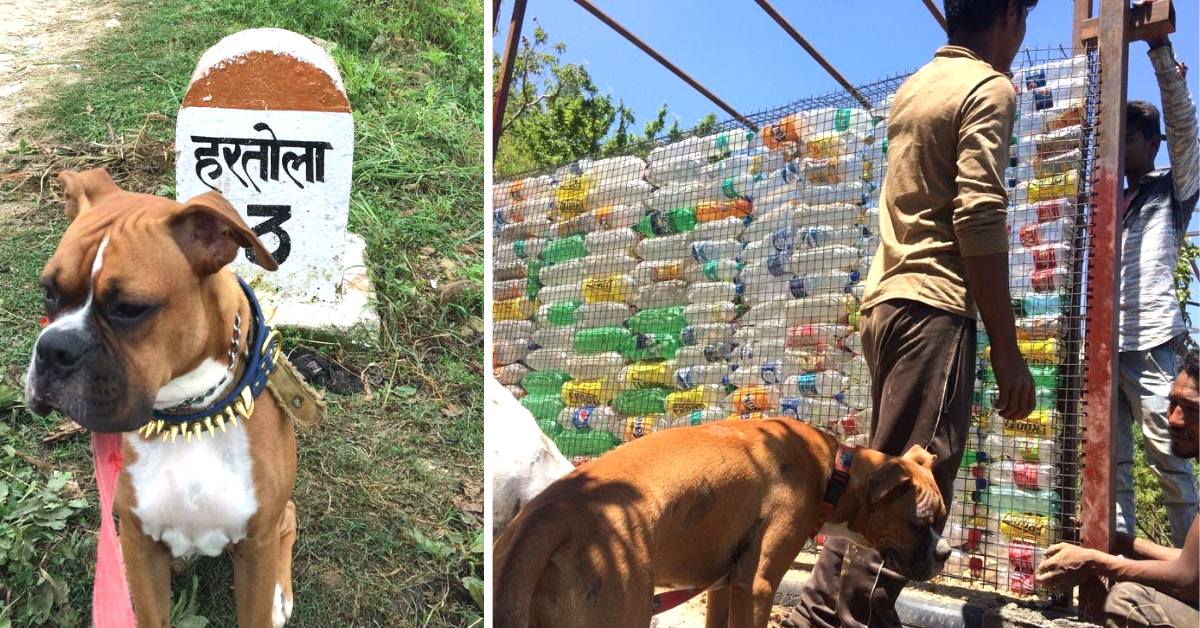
{"type": "Point", "coordinates": [719, 277]}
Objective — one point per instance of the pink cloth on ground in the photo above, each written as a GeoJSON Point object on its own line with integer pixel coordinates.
{"type": "Point", "coordinates": [111, 605]}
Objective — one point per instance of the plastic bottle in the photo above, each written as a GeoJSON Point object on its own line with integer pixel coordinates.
{"type": "Point", "coordinates": [1039, 327]}
{"type": "Point", "coordinates": [663, 320]}
{"type": "Point", "coordinates": [619, 241]}
{"type": "Point", "coordinates": [784, 133]}
{"type": "Point", "coordinates": [564, 250]}
{"type": "Point", "coordinates": [608, 264]}
{"type": "Point", "coordinates": [699, 417]}
{"type": "Point", "coordinates": [667, 222]}
{"type": "Point", "coordinates": [826, 258]}
{"type": "Point", "coordinates": [593, 366]}
{"type": "Point", "coordinates": [661, 294]}
{"type": "Point", "coordinates": [554, 338]}
{"type": "Point", "coordinates": [1044, 398]}
{"type": "Point", "coordinates": [584, 443]}
{"type": "Point", "coordinates": [646, 375]}
{"type": "Point", "coordinates": [1006, 498]}
{"type": "Point", "coordinates": [684, 402]}
{"type": "Point", "coordinates": [562, 313]}
{"type": "Point", "coordinates": [603, 314]}
{"type": "Point", "coordinates": [543, 407]}
{"type": "Point", "coordinates": [586, 418]}
{"type": "Point", "coordinates": [517, 392]}
{"type": "Point", "coordinates": [689, 377]}
{"type": "Point", "coordinates": [609, 288]}
{"type": "Point", "coordinates": [530, 248]}
{"type": "Point", "coordinates": [599, 339]}
{"type": "Point", "coordinates": [511, 330]}
{"type": "Point", "coordinates": [545, 382]}
{"type": "Point", "coordinates": [727, 142]}
{"type": "Point", "coordinates": [853, 343]}
{"type": "Point", "coordinates": [760, 352]}
{"type": "Point", "coordinates": [513, 309]}
{"type": "Point", "coordinates": [655, 271]}
{"type": "Point", "coordinates": [708, 292]}
{"type": "Point", "coordinates": [1043, 304]}
{"type": "Point", "coordinates": [709, 211]}
{"type": "Point", "coordinates": [619, 216]}
{"type": "Point", "coordinates": [706, 333]}
{"type": "Point", "coordinates": [856, 369]}
{"type": "Point", "coordinates": [714, 250]}
{"type": "Point", "coordinates": [1034, 528]}
{"type": "Point", "coordinates": [683, 168]}
{"type": "Point", "coordinates": [596, 392]}
{"type": "Point", "coordinates": [733, 187]}
{"type": "Point", "coordinates": [678, 194]}
{"type": "Point", "coordinates": [824, 383]}
{"type": "Point", "coordinates": [818, 411]}
{"type": "Point", "coordinates": [718, 270]}
{"type": "Point", "coordinates": [544, 359]}
{"type": "Point", "coordinates": [510, 374]}
{"type": "Point", "coordinates": [652, 347]}
{"type": "Point", "coordinates": [770, 373]}
{"type": "Point", "coordinates": [701, 313]}
{"type": "Point", "coordinates": [753, 399]}
{"type": "Point", "coordinates": [565, 273]}
{"type": "Point", "coordinates": [723, 229]}
{"type": "Point", "coordinates": [1022, 474]}
{"type": "Point", "coordinates": [818, 309]}
{"type": "Point", "coordinates": [1046, 232]}
{"type": "Point", "coordinates": [697, 355]}
{"type": "Point", "coordinates": [1018, 553]}
{"type": "Point", "coordinates": [830, 282]}
{"type": "Point", "coordinates": [666, 248]}
{"type": "Point", "coordinates": [857, 396]}
{"type": "Point", "coordinates": [848, 192]}
{"type": "Point", "coordinates": [1037, 450]}
{"type": "Point", "coordinates": [639, 401]}
{"type": "Point", "coordinates": [825, 235]}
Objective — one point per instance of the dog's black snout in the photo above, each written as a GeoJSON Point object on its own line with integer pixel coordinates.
{"type": "Point", "coordinates": [61, 351]}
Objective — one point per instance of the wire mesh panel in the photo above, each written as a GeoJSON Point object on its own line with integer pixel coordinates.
{"type": "Point", "coordinates": [719, 277]}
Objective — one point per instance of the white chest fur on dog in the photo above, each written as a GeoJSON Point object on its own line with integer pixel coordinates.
{"type": "Point", "coordinates": [197, 497]}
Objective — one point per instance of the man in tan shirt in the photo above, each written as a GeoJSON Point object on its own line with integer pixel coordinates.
{"type": "Point", "coordinates": [944, 252]}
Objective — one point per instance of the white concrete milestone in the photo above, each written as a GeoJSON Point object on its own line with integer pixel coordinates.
{"type": "Point", "coordinates": [266, 122]}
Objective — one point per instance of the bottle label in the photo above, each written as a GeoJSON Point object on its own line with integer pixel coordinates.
{"type": "Point", "coordinates": [713, 353]}
{"type": "Point", "coordinates": [688, 335]}
{"type": "Point", "coordinates": [807, 383]}
{"type": "Point", "coordinates": [638, 426]}
{"type": "Point", "coordinates": [696, 418]}
{"type": "Point", "coordinates": [519, 248]}
{"type": "Point", "coordinates": [722, 143]}
{"type": "Point", "coordinates": [666, 272]}
{"type": "Point", "coordinates": [778, 131]}
{"type": "Point", "coordinates": [1035, 79]}
{"type": "Point", "coordinates": [1021, 554]}
{"type": "Point", "coordinates": [1044, 280]}
{"type": "Point", "coordinates": [1025, 474]}
{"type": "Point", "coordinates": [1020, 526]}
{"type": "Point", "coordinates": [771, 371]}
{"type": "Point", "coordinates": [700, 252]}
{"type": "Point", "coordinates": [582, 394]}
{"type": "Point", "coordinates": [683, 378]}
{"type": "Point", "coordinates": [781, 240]}
{"type": "Point", "coordinates": [582, 418]}
{"type": "Point", "coordinates": [778, 264]}
{"type": "Point", "coordinates": [710, 271]}
{"type": "Point", "coordinates": [729, 190]}
{"type": "Point", "coordinates": [796, 287]}
{"type": "Point", "coordinates": [841, 120]}
{"type": "Point", "coordinates": [604, 217]}
{"type": "Point", "coordinates": [1045, 257]}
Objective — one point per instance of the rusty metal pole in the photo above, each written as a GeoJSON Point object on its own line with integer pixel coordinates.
{"type": "Point", "coordinates": [1100, 399]}
{"type": "Point", "coordinates": [812, 52]}
{"type": "Point", "coordinates": [937, 15]}
{"type": "Point", "coordinates": [500, 99]}
{"type": "Point", "coordinates": [1083, 11]}
{"type": "Point", "coordinates": [633, 39]}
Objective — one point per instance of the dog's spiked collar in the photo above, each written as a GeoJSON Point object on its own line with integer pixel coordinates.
{"type": "Point", "coordinates": [837, 484]}
{"type": "Point", "coordinates": [263, 352]}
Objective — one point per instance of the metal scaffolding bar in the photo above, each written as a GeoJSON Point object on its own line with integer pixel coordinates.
{"type": "Point", "coordinates": [500, 100]}
{"type": "Point", "coordinates": [633, 39]}
{"type": "Point", "coordinates": [1097, 516]}
{"type": "Point", "coordinates": [812, 52]}
{"type": "Point", "coordinates": [937, 15]}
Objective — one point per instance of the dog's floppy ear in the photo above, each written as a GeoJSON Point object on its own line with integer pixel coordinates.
{"type": "Point", "coordinates": [210, 233]}
{"type": "Point", "coordinates": [891, 476]}
{"type": "Point", "coordinates": [919, 455]}
{"type": "Point", "coordinates": [81, 190]}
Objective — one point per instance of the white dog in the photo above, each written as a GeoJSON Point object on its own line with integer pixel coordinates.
{"type": "Point", "coordinates": [521, 459]}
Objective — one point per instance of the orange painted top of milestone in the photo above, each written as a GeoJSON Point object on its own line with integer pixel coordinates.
{"type": "Point", "coordinates": [268, 81]}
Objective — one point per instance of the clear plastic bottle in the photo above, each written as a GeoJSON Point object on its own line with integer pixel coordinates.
{"type": "Point", "coordinates": [699, 355]}
{"type": "Point", "coordinates": [662, 294]}
{"type": "Point", "coordinates": [826, 258]}
{"type": "Point", "coordinates": [603, 314]}
{"type": "Point", "coordinates": [826, 235]}
{"type": "Point", "coordinates": [679, 194]}
{"type": "Point", "coordinates": [1020, 554]}
{"type": "Point", "coordinates": [689, 377]}
{"type": "Point", "coordinates": [856, 369]}
{"type": "Point", "coordinates": [819, 411]}
{"type": "Point", "coordinates": [857, 396]}
{"type": "Point", "coordinates": [619, 288]}
{"type": "Point", "coordinates": [554, 338]}
{"type": "Point", "coordinates": [714, 250]}
{"type": "Point", "coordinates": [562, 274]}
{"type": "Point", "coordinates": [828, 282]}
{"type": "Point", "coordinates": [666, 248]}
{"type": "Point", "coordinates": [682, 168]}
{"type": "Point", "coordinates": [730, 228]}
{"type": "Point", "coordinates": [823, 383]}
{"type": "Point", "coordinates": [619, 216]}
{"type": "Point", "coordinates": [1009, 498]}
{"type": "Point", "coordinates": [584, 418]}
{"type": "Point", "coordinates": [603, 365]}
{"type": "Point", "coordinates": [770, 373]}
{"type": "Point", "coordinates": [707, 333]}
{"type": "Point", "coordinates": [547, 359]}
{"type": "Point", "coordinates": [757, 352]}
{"type": "Point", "coordinates": [1023, 474]}
{"type": "Point", "coordinates": [811, 334]}
{"type": "Point", "coordinates": [701, 313]}
{"type": "Point", "coordinates": [1046, 232]}
{"type": "Point", "coordinates": [609, 264]}
{"type": "Point", "coordinates": [709, 292]}
{"type": "Point", "coordinates": [561, 293]}
{"type": "Point", "coordinates": [511, 330]}
{"type": "Point", "coordinates": [853, 343]}
{"type": "Point", "coordinates": [719, 270]}
{"type": "Point", "coordinates": [1041, 450]}
{"type": "Point", "coordinates": [510, 374]}
{"type": "Point", "coordinates": [620, 241]}
{"type": "Point", "coordinates": [655, 271]}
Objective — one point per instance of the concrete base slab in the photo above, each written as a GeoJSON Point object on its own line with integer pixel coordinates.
{"type": "Point", "coordinates": [352, 312]}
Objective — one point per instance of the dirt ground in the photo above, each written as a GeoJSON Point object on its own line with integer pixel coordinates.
{"type": "Point", "coordinates": [38, 41]}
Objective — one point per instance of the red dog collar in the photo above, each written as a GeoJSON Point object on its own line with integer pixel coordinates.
{"type": "Point", "coordinates": [836, 486]}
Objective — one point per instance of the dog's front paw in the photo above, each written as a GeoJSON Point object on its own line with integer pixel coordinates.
{"type": "Point", "coordinates": [281, 610]}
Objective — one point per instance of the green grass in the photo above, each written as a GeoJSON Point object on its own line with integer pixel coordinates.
{"type": "Point", "coordinates": [384, 482]}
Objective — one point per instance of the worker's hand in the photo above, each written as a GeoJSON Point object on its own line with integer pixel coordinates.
{"type": "Point", "coordinates": [1066, 566]}
{"type": "Point", "coordinates": [1016, 398]}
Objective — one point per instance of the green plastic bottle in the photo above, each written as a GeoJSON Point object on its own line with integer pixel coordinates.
{"type": "Point", "coordinates": [1044, 375]}
{"type": "Point", "coordinates": [550, 428]}
{"type": "Point", "coordinates": [560, 314]}
{"type": "Point", "coordinates": [658, 320]}
{"type": "Point", "coordinates": [589, 443]}
{"type": "Point", "coordinates": [544, 407]}
{"type": "Point", "coordinates": [544, 382]}
{"type": "Point", "coordinates": [564, 250]}
{"type": "Point", "coordinates": [600, 339]}
{"type": "Point", "coordinates": [642, 401]}
{"type": "Point", "coordinates": [661, 223]}
{"type": "Point", "coordinates": [652, 347]}
{"type": "Point", "coordinates": [1006, 498]}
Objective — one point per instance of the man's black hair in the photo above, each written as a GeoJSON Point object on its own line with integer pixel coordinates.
{"type": "Point", "coordinates": [1142, 117]}
{"type": "Point", "coordinates": [1191, 364]}
{"type": "Point", "coordinates": [976, 16]}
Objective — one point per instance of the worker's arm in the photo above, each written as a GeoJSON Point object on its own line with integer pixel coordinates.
{"type": "Point", "coordinates": [1179, 577]}
{"type": "Point", "coordinates": [980, 227]}
{"type": "Point", "coordinates": [1131, 546]}
{"type": "Point", "coordinates": [1179, 119]}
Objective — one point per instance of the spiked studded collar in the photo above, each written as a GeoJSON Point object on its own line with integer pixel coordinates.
{"type": "Point", "coordinates": [238, 403]}
{"type": "Point", "coordinates": [836, 486]}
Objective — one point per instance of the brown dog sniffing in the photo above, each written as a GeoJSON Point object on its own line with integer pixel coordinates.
{"type": "Point", "coordinates": [727, 505]}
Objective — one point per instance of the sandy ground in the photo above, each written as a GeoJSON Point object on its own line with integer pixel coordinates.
{"type": "Point", "coordinates": [39, 41]}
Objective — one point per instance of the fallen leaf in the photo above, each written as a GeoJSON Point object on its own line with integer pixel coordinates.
{"type": "Point", "coordinates": [471, 501]}
{"type": "Point", "coordinates": [428, 250]}
{"type": "Point", "coordinates": [452, 410]}
{"type": "Point", "coordinates": [113, 23]}
{"type": "Point", "coordinates": [64, 430]}
{"type": "Point", "coordinates": [450, 291]}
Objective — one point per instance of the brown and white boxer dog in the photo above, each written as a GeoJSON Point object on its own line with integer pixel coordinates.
{"type": "Point", "coordinates": [146, 326]}
{"type": "Point", "coordinates": [725, 506]}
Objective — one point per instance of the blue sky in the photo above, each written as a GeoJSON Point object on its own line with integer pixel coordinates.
{"type": "Point", "coordinates": [736, 50]}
